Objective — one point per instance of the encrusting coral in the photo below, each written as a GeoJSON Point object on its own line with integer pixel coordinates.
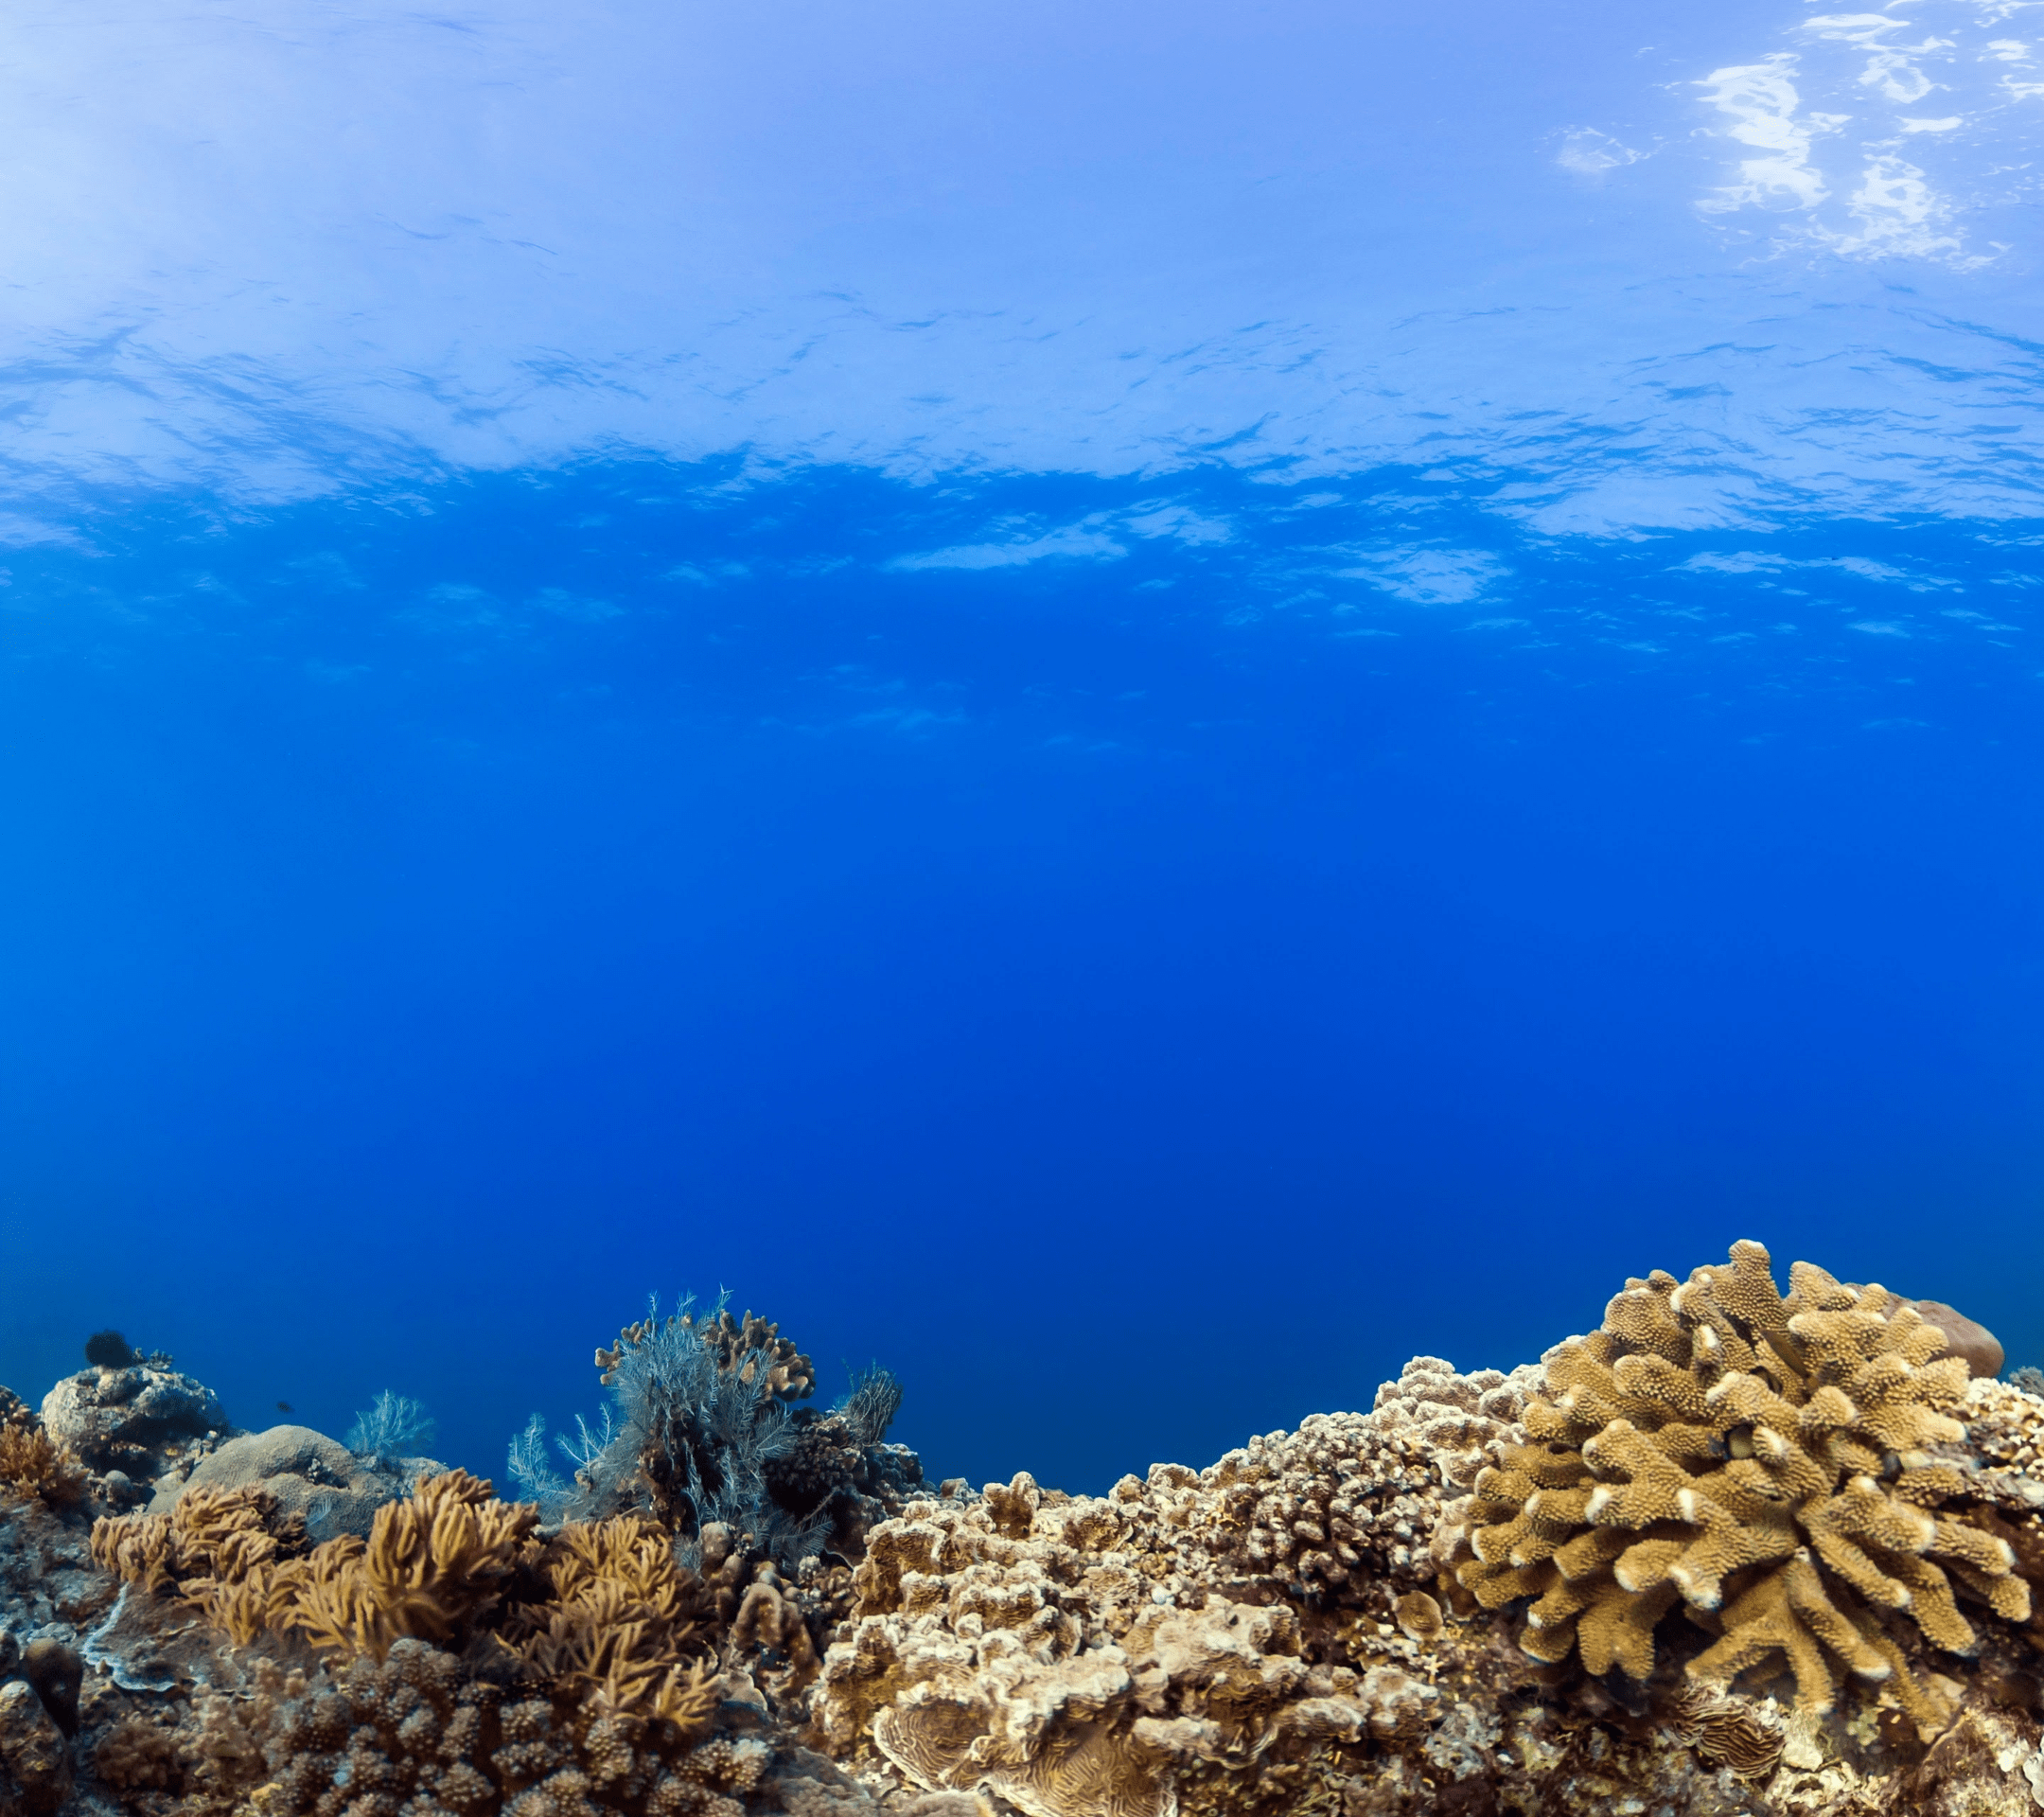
{"type": "Point", "coordinates": [1773, 1463]}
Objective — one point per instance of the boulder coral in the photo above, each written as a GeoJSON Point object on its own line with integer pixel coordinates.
{"type": "Point", "coordinates": [1779, 1465]}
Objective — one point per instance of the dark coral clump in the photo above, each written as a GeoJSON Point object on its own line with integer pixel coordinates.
{"type": "Point", "coordinates": [108, 1350]}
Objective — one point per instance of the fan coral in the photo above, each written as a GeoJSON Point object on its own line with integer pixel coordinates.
{"type": "Point", "coordinates": [1768, 1461]}
{"type": "Point", "coordinates": [869, 1410]}
{"type": "Point", "coordinates": [391, 1429]}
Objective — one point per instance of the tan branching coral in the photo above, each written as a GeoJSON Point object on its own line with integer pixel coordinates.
{"type": "Point", "coordinates": [623, 1617]}
{"type": "Point", "coordinates": [1772, 1462]}
{"type": "Point", "coordinates": [433, 1565]}
{"type": "Point", "coordinates": [219, 1547]}
{"type": "Point", "coordinates": [34, 1464]}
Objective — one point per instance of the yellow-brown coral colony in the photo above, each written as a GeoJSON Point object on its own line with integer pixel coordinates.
{"type": "Point", "coordinates": [1733, 1552]}
{"type": "Point", "coordinates": [1776, 1464]}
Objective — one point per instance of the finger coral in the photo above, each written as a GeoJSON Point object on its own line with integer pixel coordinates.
{"type": "Point", "coordinates": [1773, 1463]}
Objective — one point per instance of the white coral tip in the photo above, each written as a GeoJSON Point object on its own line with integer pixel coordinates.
{"type": "Point", "coordinates": [1600, 1498]}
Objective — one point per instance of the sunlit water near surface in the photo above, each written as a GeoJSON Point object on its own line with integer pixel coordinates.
{"type": "Point", "coordinates": [1135, 712]}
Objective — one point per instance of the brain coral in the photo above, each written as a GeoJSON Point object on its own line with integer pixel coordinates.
{"type": "Point", "coordinates": [1769, 1462]}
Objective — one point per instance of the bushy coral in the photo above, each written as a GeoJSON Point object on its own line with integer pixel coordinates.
{"type": "Point", "coordinates": [434, 1566]}
{"type": "Point", "coordinates": [1773, 1463]}
{"type": "Point", "coordinates": [626, 1624]}
{"type": "Point", "coordinates": [700, 1431]}
{"type": "Point", "coordinates": [31, 1462]}
{"type": "Point", "coordinates": [217, 1547]}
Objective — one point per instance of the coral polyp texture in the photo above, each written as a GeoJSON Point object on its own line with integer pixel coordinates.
{"type": "Point", "coordinates": [1777, 1464]}
{"type": "Point", "coordinates": [1735, 1554]}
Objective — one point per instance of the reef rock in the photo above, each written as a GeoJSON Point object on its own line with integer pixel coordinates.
{"type": "Point", "coordinates": [137, 1420]}
{"type": "Point", "coordinates": [1965, 1337]}
{"type": "Point", "coordinates": [32, 1749]}
{"type": "Point", "coordinates": [313, 1477]}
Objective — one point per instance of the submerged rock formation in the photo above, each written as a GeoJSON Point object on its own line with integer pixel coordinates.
{"type": "Point", "coordinates": [1733, 1552]}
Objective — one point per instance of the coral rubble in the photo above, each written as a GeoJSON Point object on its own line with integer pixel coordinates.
{"type": "Point", "coordinates": [1736, 1552]}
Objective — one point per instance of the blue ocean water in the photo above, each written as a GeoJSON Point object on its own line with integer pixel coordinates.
{"type": "Point", "coordinates": [1134, 712]}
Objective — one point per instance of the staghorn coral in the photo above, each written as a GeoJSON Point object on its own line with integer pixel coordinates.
{"type": "Point", "coordinates": [1769, 1462]}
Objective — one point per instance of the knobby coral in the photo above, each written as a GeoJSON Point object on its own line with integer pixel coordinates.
{"type": "Point", "coordinates": [1771, 1462]}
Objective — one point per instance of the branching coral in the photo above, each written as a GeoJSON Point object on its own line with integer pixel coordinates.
{"type": "Point", "coordinates": [1768, 1461]}
{"type": "Point", "coordinates": [34, 1464]}
{"type": "Point", "coordinates": [434, 1566]}
{"type": "Point", "coordinates": [219, 1547]}
{"type": "Point", "coordinates": [622, 1617]}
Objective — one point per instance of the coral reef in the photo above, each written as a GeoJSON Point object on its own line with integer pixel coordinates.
{"type": "Point", "coordinates": [1771, 1462]}
{"type": "Point", "coordinates": [1311, 1625]}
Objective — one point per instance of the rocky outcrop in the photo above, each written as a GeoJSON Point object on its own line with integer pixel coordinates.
{"type": "Point", "coordinates": [137, 1419]}
{"type": "Point", "coordinates": [312, 1476]}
